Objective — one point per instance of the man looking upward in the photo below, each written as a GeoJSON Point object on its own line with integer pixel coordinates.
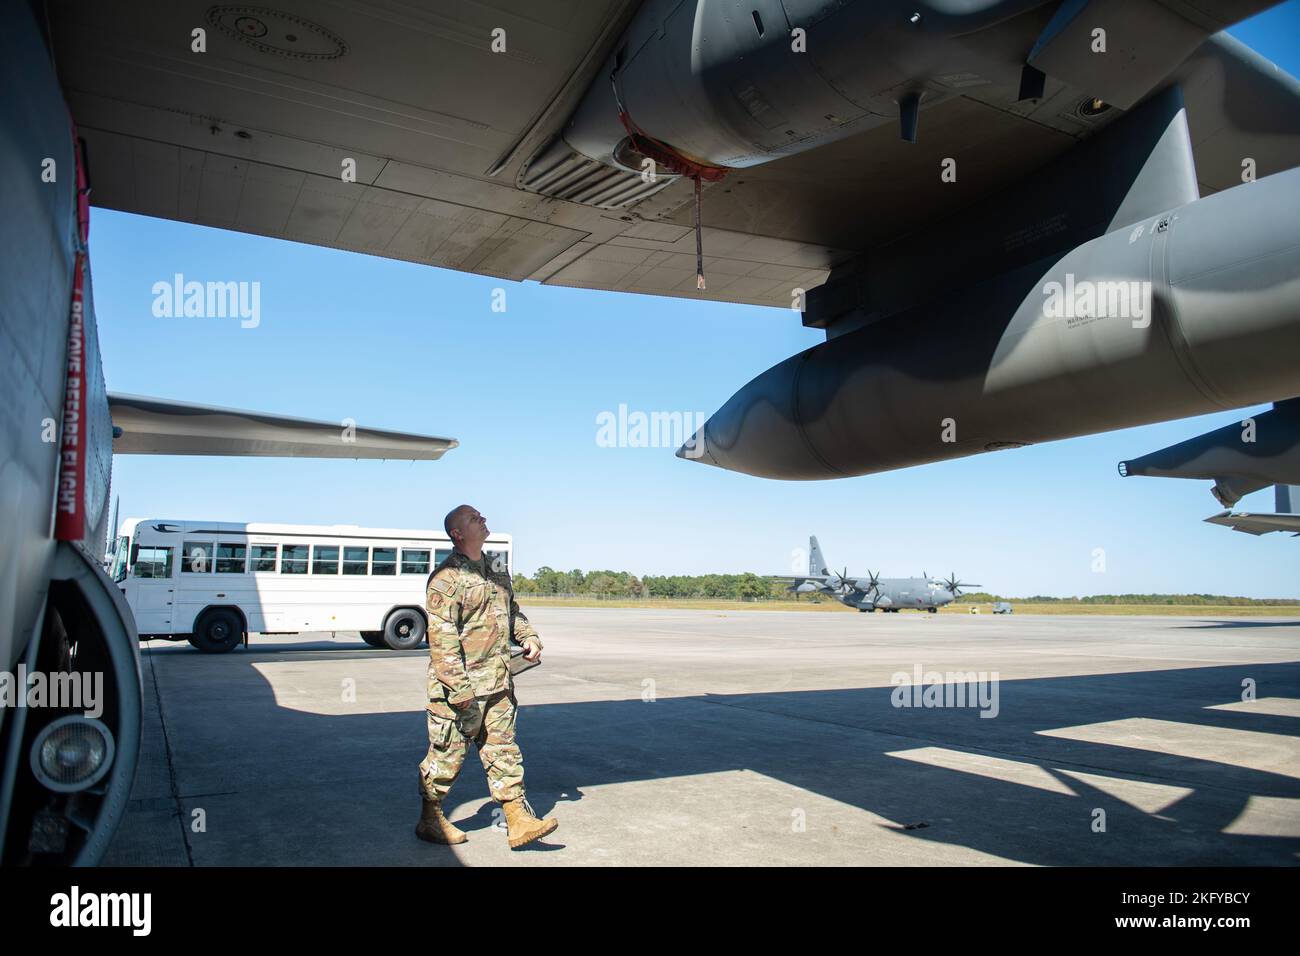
{"type": "Point", "coordinates": [472, 619]}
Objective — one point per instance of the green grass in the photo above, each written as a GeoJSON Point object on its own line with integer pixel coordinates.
{"type": "Point", "coordinates": [694, 604]}
{"type": "Point", "coordinates": [1158, 610]}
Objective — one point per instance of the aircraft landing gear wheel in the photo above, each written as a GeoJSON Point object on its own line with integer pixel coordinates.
{"type": "Point", "coordinates": [933, 610]}
{"type": "Point", "coordinates": [404, 629]}
{"type": "Point", "coordinates": [218, 632]}
{"type": "Point", "coordinates": [374, 638]}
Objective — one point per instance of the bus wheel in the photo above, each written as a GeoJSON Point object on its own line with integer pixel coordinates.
{"type": "Point", "coordinates": [218, 632]}
{"type": "Point", "coordinates": [374, 638]}
{"type": "Point", "coordinates": [404, 629]}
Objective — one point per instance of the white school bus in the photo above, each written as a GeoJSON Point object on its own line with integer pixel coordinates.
{"type": "Point", "coordinates": [215, 582]}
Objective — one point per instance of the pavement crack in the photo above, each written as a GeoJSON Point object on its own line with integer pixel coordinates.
{"type": "Point", "coordinates": [172, 785]}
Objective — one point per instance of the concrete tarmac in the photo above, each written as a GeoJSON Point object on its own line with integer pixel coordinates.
{"type": "Point", "coordinates": [688, 737]}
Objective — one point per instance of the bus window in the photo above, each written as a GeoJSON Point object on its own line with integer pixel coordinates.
{"type": "Point", "coordinates": [153, 563]}
{"type": "Point", "coordinates": [355, 560]}
{"type": "Point", "coordinates": [325, 559]}
{"type": "Point", "coordinates": [441, 555]}
{"type": "Point", "coordinates": [264, 557]}
{"type": "Point", "coordinates": [496, 560]}
{"type": "Point", "coordinates": [385, 561]}
{"type": "Point", "coordinates": [293, 559]}
{"type": "Point", "coordinates": [415, 562]}
{"type": "Point", "coordinates": [230, 558]}
{"type": "Point", "coordinates": [119, 559]}
{"type": "Point", "coordinates": [198, 557]}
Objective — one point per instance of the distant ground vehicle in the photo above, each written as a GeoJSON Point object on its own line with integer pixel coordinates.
{"type": "Point", "coordinates": [214, 582]}
{"type": "Point", "coordinates": [1001, 607]}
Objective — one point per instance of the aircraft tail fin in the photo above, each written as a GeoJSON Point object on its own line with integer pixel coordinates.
{"type": "Point", "coordinates": [816, 563]}
{"type": "Point", "coordinates": [1286, 499]}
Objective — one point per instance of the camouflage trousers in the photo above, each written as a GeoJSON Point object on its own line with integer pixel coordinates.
{"type": "Point", "coordinates": [490, 723]}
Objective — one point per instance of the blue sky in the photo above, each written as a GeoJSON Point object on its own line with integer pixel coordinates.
{"type": "Point", "coordinates": [412, 348]}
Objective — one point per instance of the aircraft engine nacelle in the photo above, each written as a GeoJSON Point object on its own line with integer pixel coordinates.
{"type": "Point", "coordinates": [1239, 458]}
{"type": "Point", "coordinates": [735, 85]}
{"type": "Point", "coordinates": [1187, 312]}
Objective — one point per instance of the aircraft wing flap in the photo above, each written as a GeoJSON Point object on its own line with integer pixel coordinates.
{"type": "Point", "coordinates": [155, 426]}
{"type": "Point", "coordinates": [1144, 41]}
{"type": "Point", "coordinates": [1256, 523]}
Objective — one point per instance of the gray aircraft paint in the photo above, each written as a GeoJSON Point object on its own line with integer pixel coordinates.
{"type": "Point", "coordinates": [1284, 517]}
{"type": "Point", "coordinates": [1240, 458]}
{"type": "Point", "coordinates": [874, 592]}
{"type": "Point", "coordinates": [1225, 279]}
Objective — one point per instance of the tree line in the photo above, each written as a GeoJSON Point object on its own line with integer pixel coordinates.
{"type": "Point", "coordinates": [754, 587]}
{"type": "Point", "coordinates": [624, 584]}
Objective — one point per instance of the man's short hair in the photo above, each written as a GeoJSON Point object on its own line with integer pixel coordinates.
{"type": "Point", "coordinates": [452, 521]}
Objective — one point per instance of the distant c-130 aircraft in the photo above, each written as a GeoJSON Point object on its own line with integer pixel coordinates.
{"type": "Point", "coordinates": [873, 591]}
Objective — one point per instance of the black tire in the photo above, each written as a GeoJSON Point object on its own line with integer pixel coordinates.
{"type": "Point", "coordinates": [374, 638]}
{"type": "Point", "coordinates": [404, 630]}
{"type": "Point", "coordinates": [933, 610]}
{"type": "Point", "coordinates": [218, 632]}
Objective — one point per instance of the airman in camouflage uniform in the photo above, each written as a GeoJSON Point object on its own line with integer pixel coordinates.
{"type": "Point", "coordinates": [472, 619]}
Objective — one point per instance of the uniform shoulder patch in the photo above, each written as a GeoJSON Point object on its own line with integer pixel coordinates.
{"type": "Point", "coordinates": [444, 582]}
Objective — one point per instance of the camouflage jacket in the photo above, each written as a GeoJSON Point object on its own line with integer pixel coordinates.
{"type": "Point", "coordinates": [472, 618]}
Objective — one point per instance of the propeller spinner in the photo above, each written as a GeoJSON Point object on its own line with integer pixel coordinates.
{"type": "Point", "coordinates": [843, 585]}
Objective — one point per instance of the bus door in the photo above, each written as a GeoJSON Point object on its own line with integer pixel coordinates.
{"type": "Point", "coordinates": [151, 588]}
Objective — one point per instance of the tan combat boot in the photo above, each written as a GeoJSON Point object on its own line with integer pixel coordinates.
{"type": "Point", "coordinates": [435, 827]}
{"type": "Point", "coordinates": [522, 826]}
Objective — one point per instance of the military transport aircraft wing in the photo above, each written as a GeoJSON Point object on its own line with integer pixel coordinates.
{"type": "Point", "coordinates": [155, 426]}
{"type": "Point", "coordinates": [462, 135]}
{"type": "Point", "coordinates": [919, 172]}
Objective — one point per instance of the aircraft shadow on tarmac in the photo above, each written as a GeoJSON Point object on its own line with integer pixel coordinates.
{"type": "Point", "coordinates": [306, 788]}
{"type": "Point", "coordinates": [1239, 622]}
